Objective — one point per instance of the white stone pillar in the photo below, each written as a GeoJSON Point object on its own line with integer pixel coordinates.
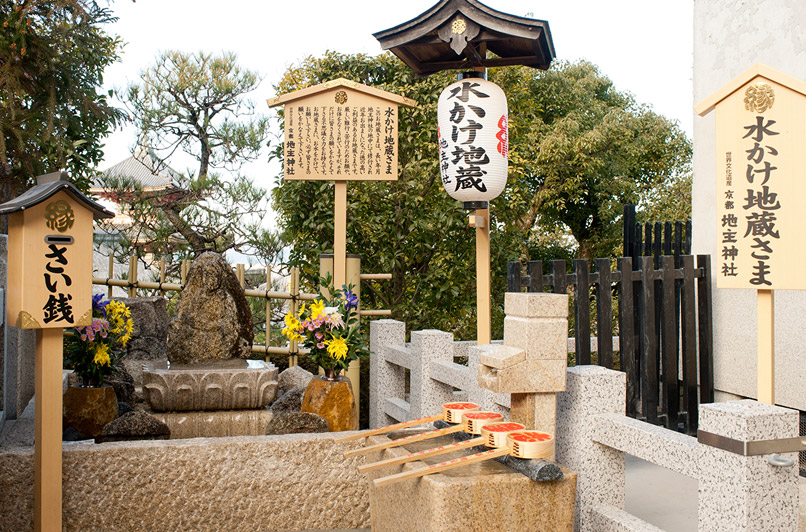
{"type": "Point", "coordinates": [427, 394]}
{"type": "Point", "coordinates": [746, 493]}
{"type": "Point", "coordinates": [591, 390]}
{"type": "Point", "coordinates": [385, 379]}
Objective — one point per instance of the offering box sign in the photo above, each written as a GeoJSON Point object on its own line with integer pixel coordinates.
{"type": "Point", "coordinates": [341, 131]}
{"type": "Point", "coordinates": [761, 180]}
{"type": "Point", "coordinates": [50, 256]}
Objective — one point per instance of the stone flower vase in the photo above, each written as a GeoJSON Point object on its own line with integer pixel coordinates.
{"type": "Point", "coordinates": [87, 409]}
{"type": "Point", "coordinates": [332, 398]}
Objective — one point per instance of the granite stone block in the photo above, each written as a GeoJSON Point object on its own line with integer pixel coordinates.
{"type": "Point", "coordinates": [540, 338]}
{"type": "Point", "coordinates": [536, 305]}
{"type": "Point", "coordinates": [667, 448]}
{"type": "Point", "coordinates": [216, 424]}
{"type": "Point", "coordinates": [254, 483]}
{"type": "Point", "coordinates": [500, 356]}
{"type": "Point", "coordinates": [747, 493]}
{"type": "Point", "coordinates": [529, 376]}
{"type": "Point", "coordinates": [486, 399]}
{"type": "Point", "coordinates": [486, 496]}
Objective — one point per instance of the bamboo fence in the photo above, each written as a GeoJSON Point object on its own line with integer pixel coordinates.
{"type": "Point", "coordinates": [294, 296]}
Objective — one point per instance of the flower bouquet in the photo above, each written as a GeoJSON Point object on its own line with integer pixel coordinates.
{"type": "Point", "coordinates": [90, 351]}
{"type": "Point", "coordinates": [329, 327]}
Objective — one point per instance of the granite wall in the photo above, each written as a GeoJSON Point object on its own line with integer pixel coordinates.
{"type": "Point", "coordinates": [247, 483]}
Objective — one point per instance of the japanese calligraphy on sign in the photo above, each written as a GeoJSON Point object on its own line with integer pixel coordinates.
{"type": "Point", "coordinates": [50, 264]}
{"type": "Point", "coordinates": [341, 130]}
{"type": "Point", "coordinates": [761, 183]}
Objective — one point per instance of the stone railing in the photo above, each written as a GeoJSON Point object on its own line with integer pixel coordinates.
{"type": "Point", "coordinates": [592, 433]}
{"type": "Point", "coordinates": [434, 376]}
{"type": "Point", "coordinates": [736, 493]}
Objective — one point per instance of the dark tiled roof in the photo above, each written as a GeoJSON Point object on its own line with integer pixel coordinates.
{"type": "Point", "coordinates": [143, 170]}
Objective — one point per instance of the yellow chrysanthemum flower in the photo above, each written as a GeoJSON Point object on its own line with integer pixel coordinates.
{"type": "Point", "coordinates": [337, 348]}
{"type": "Point", "coordinates": [102, 355]}
{"type": "Point", "coordinates": [317, 309]}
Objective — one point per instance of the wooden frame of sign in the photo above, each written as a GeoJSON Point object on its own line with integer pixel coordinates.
{"type": "Point", "coordinates": [760, 193]}
{"type": "Point", "coordinates": [340, 131]}
{"type": "Point", "coordinates": [49, 288]}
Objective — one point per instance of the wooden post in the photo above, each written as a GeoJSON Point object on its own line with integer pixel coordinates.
{"type": "Point", "coordinates": [162, 276]}
{"type": "Point", "coordinates": [132, 275]}
{"type": "Point", "coordinates": [294, 289]}
{"type": "Point", "coordinates": [268, 309]}
{"type": "Point", "coordinates": [111, 274]}
{"type": "Point", "coordinates": [766, 346]}
{"type": "Point", "coordinates": [48, 431]}
{"type": "Point", "coordinates": [240, 273]}
{"type": "Point", "coordinates": [483, 276]}
{"type": "Point", "coordinates": [340, 235]}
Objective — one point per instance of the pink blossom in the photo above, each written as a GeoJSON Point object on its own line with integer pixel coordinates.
{"type": "Point", "coordinates": [319, 336]}
{"type": "Point", "coordinates": [320, 345]}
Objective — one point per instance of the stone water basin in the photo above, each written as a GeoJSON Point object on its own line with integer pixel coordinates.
{"type": "Point", "coordinates": [235, 384]}
{"type": "Point", "coordinates": [483, 496]}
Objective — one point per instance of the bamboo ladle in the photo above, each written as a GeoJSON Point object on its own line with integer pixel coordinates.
{"type": "Point", "coordinates": [489, 431]}
{"type": "Point", "coordinates": [454, 410]}
{"type": "Point", "coordinates": [451, 413]}
{"type": "Point", "coordinates": [520, 444]}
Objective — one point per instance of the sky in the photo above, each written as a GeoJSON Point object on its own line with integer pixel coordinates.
{"type": "Point", "coordinates": [644, 46]}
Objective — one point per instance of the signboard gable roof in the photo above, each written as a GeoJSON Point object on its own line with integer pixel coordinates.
{"type": "Point", "coordinates": [39, 193]}
{"type": "Point", "coordinates": [758, 69]}
{"type": "Point", "coordinates": [341, 82]}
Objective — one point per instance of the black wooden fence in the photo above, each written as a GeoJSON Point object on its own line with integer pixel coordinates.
{"type": "Point", "coordinates": [654, 238]}
{"type": "Point", "coordinates": [651, 351]}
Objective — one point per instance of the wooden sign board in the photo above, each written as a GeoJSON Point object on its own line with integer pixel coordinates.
{"type": "Point", "coordinates": [761, 180]}
{"type": "Point", "coordinates": [50, 264]}
{"type": "Point", "coordinates": [341, 131]}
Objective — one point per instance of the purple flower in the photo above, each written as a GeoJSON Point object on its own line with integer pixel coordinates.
{"type": "Point", "coordinates": [351, 300]}
{"type": "Point", "coordinates": [319, 336]}
{"type": "Point", "coordinates": [320, 345]}
{"type": "Point", "coordinates": [98, 304]}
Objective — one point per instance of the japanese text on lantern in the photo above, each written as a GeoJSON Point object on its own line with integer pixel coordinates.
{"type": "Point", "coordinates": [468, 156]}
{"type": "Point", "coordinates": [760, 195]}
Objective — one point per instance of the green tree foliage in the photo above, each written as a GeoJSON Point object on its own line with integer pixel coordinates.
{"type": "Point", "coordinates": [52, 117]}
{"type": "Point", "coordinates": [578, 149]}
{"type": "Point", "coordinates": [196, 104]}
{"type": "Point", "coordinates": [582, 149]}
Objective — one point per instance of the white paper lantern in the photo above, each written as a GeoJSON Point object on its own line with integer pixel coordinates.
{"type": "Point", "coordinates": [473, 139]}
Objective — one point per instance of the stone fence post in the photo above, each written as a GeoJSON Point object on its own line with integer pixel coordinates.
{"type": "Point", "coordinates": [746, 493]}
{"type": "Point", "coordinates": [427, 394]}
{"type": "Point", "coordinates": [590, 391]}
{"type": "Point", "coordinates": [385, 379]}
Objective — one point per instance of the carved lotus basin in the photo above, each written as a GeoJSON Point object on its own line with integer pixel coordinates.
{"type": "Point", "coordinates": [224, 385]}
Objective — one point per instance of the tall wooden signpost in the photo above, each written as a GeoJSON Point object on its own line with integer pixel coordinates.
{"type": "Point", "coordinates": [341, 131]}
{"type": "Point", "coordinates": [49, 288]}
{"type": "Point", "coordinates": [760, 194]}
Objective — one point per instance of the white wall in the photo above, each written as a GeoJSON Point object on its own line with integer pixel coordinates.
{"type": "Point", "coordinates": [729, 36]}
